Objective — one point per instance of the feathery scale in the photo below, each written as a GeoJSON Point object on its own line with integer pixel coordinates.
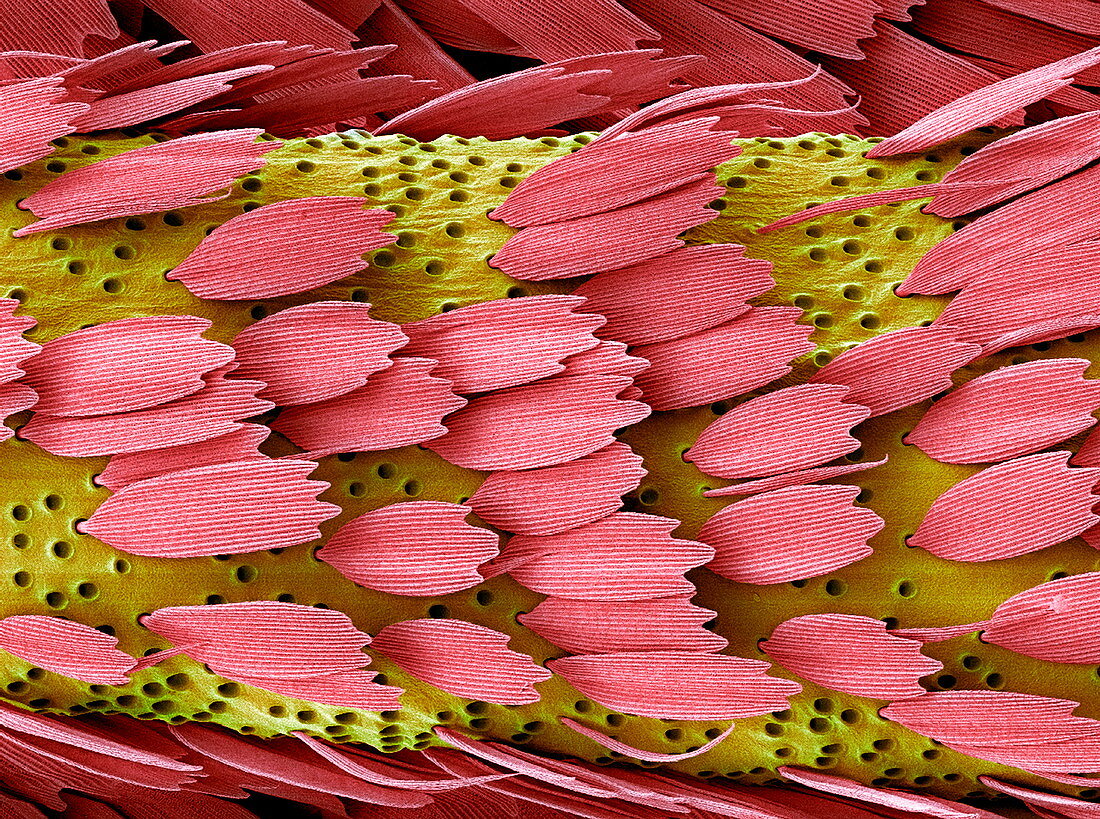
{"type": "Point", "coordinates": [441, 238]}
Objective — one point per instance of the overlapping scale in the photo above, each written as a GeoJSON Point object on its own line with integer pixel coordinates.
{"type": "Point", "coordinates": [607, 358]}
{"type": "Point", "coordinates": [503, 343]}
{"type": "Point", "coordinates": [284, 247]}
{"type": "Point", "coordinates": [852, 654]}
{"type": "Point", "coordinates": [226, 508]}
{"type": "Point", "coordinates": [986, 105]}
{"type": "Point", "coordinates": [993, 718]}
{"type": "Point", "coordinates": [14, 398]}
{"type": "Point", "coordinates": [899, 368]}
{"type": "Point", "coordinates": [14, 348]}
{"type": "Point", "coordinates": [624, 556]}
{"type": "Point", "coordinates": [608, 627]}
{"type": "Point", "coordinates": [677, 684]}
{"type": "Point", "coordinates": [417, 548]}
{"type": "Point", "coordinates": [315, 351]}
{"type": "Point", "coordinates": [401, 405]}
{"type": "Point", "coordinates": [1031, 157]}
{"type": "Point", "coordinates": [264, 638]}
{"type": "Point", "coordinates": [628, 235]}
{"type": "Point", "coordinates": [980, 517]}
{"type": "Point", "coordinates": [121, 365]}
{"type": "Point", "coordinates": [555, 498]}
{"type": "Point", "coordinates": [39, 111]}
{"type": "Point", "coordinates": [791, 533]}
{"type": "Point", "coordinates": [463, 659]}
{"type": "Point", "coordinates": [752, 350]}
{"type": "Point", "coordinates": [790, 429]}
{"type": "Point", "coordinates": [240, 445]}
{"type": "Point", "coordinates": [1010, 237]}
{"type": "Point", "coordinates": [542, 424]}
{"type": "Point", "coordinates": [1012, 411]}
{"type": "Point", "coordinates": [614, 173]}
{"type": "Point", "coordinates": [686, 291]}
{"type": "Point", "coordinates": [66, 647]}
{"type": "Point", "coordinates": [1055, 621]}
{"type": "Point", "coordinates": [835, 27]}
{"type": "Point", "coordinates": [189, 169]}
{"type": "Point", "coordinates": [214, 411]}
{"type": "Point", "coordinates": [144, 104]}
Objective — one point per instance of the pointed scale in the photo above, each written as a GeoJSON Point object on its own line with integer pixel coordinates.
{"type": "Point", "coordinates": [240, 445]}
{"type": "Point", "coordinates": [264, 638]}
{"type": "Point", "coordinates": [188, 169]}
{"type": "Point", "coordinates": [1034, 156]}
{"type": "Point", "coordinates": [686, 291]}
{"type": "Point", "coordinates": [126, 364]}
{"type": "Point", "coordinates": [852, 654]}
{"type": "Point", "coordinates": [614, 173]}
{"type": "Point", "coordinates": [608, 627]}
{"type": "Point", "coordinates": [915, 803]}
{"type": "Point", "coordinates": [1012, 411]}
{"type": "Point", "coordinates": [144, 104]}
{"type": "Point", "coordinates": [463, 659]}
{"type": "Point", "coordinates": [314, 108]}
{"type": "Point", "coordinates": [722, 99]}
{"type": "Point", "coordinates": [262, 760]}
{"type": "Point", "coordinates": [789, 534]}
{"type": "Point", "coordinates": [220, 509]}
{"type": "Point", "coordinates": [14, 349]}
{"type": "Point", "coordinates": [555, 498]}
{"type": "Point", "coordinates": [284, 247]}
{"type": "Point", "coordinates": [401, 405]}
{"type": "Point", "coordinates": [986, 105]}
{"type": "Point", "coordinates": [1057, 621]}
{"type": "Point", "coordinates": [505, 342]}
{"type": "Point", "coordinates": [607, 358]}
{"type": "Point", "coordinates": [1059, 805]}
{"type": "Point", "coordinates": [213, 411]}
{"type": "Point", "coordinates": [1049, 293]}
{"type": "Point", "coordinates": [14, 398]}
{"type": "Point", "coordinates": [612, 239]}
{"type": "Point", "coordinates": [416, 549]}
{"type": "Point", "coordinates": [734, 358]}
{"type": "Point", "coordinates": [979, 518]}
{"type": "Point", "coordinates": [1010, 238]}
{"type": "Point", "coordinates": [552, 94]}
{"type": "Point", "coordinates": [677, 684]}
{"type": "Point", "coordinates": [899, 368]}
{"type": "Point", "coordinates": [790, 429]}
{"type": "Point", "coordinates": [313, 352]}
{"type": "Point", "coordinates": [991, 718]}
{"type": "Point", "coordinates": [805, 476]}
{"type": "Point", "coordinates": [612, 744]}
{"type": "Point", "coordinates": [38, 112]}
{"type": "Point", "coordinates": [541, 424]}
{"type": "Point", "coordinates": [66, 647]}
{"type": "Point", "coordinates": [624, 556]}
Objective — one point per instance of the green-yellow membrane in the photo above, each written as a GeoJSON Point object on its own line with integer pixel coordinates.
{"type": "Point", "coordinates": [840, 269]}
